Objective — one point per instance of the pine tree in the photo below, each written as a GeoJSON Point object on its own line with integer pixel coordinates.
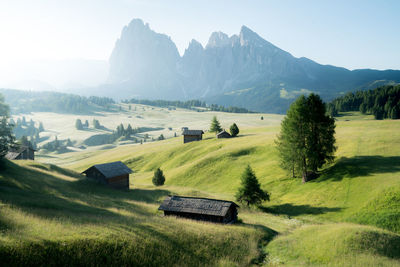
{"type": "Point", "coordinates": [158, 178]}
{"type": "Point", "coordinates": [6, 135]}
{"type": "Point", "coordinates": [215, 126]}
{"type": "Point", "coordinates": [306, 140]}
{"type": "Point", "coordinates": [250, 190]}
{"type": "Point", "coordinates": [41, 128]}
{"type": "Point", "coordinates": [234, 130]}
{"type": "Point", "coordinates": [86, 125]}
{"type": "Point", "coordinates": [78, 124]}
{"type": "Point", "coordinates": [129, 130]}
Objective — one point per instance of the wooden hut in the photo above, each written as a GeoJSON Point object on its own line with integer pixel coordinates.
{"type": "Point", "coordinates": [114, 174]}
{"type": "Point", "coordinates": [192, 135]}
{"type": "Point", "coordinates": [223, 134]}
{"type": "Point", "coordinates": [22, 152]}
{"type": "Point", "coordinates": [204, 209]}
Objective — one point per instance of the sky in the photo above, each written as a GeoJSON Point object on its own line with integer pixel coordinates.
{"type": "Point", "coordinates": [352, 34]}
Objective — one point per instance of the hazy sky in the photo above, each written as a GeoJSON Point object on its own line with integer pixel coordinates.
{"type": "Point", "coordinates": [352, 34]}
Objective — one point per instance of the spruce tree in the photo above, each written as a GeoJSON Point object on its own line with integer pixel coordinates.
{"type": "Point", "coordinates": [41, 128]}
{"type": "Point", "coordinates": [6, 135]}
{"type": "Point", "coordinates": [234, 130]}
{"type": "Point", "coordinates": [250, 190]}
{"type": "Point", "coordinates": [306, 140]}
{"type": "Point", "coordinates": [158, 178]}
{"type": "Point", "coordinates": [215, 126]}
{"type": "Point", "coordinates": [78, 124]}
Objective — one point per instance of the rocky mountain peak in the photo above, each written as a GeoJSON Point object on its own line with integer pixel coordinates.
{"type": "Point", "coordinates": [218, 39]}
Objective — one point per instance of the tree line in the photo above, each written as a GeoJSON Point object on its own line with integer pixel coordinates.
{"type": "Point", "coordinates": [382, 102]}
{"type": "Point", "coordinates": [28, 101]}
{"type": "Point", "coordinates": [190, 104]}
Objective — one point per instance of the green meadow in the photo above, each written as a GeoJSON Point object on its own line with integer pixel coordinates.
{"type": "Point", "coordinates": [349, 216]}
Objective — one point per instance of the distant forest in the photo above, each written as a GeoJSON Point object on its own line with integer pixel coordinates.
{"type": "Point", "coordinates": [383, 102]}
{"type": "Point", "coordinates": [28, 101]}
{"type": "Point", "coordinates": [190, 104]}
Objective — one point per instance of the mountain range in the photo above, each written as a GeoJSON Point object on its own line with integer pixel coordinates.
{"type": "Point", "coordinates": [241, 70]}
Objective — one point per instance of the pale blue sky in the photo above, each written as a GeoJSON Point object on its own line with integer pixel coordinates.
{"type": "Point", "coordinates": [351, 34]}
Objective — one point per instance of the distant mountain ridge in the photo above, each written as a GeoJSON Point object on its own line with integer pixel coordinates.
{"type": "Point", "coordinates": [242, 70]}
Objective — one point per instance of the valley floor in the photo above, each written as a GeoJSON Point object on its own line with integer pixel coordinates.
{"type": "Point", "coordinates": [349, 216]}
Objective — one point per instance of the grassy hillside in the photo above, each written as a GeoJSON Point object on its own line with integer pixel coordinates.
{"type": "Point", "coordinates": [349, 216]}
{"type": "Point", "coordinates": [51, 216]}
{"type": "Point", "coordinates": [367, 166]}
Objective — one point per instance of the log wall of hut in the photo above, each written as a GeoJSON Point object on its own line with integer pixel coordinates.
{"type": "Point", "coordinates": [120, 182]}
{"type": "Point", "coordinates": [191, 138]}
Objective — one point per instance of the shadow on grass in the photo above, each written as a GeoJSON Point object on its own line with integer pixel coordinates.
{"type": "Point", "coordinates": [297, 210]}
{"type": "Point", "coordinates": [269, 234]}
{"type": "Point", "coordinates": [42, 194]}
{"type": "Point", "coordinates": [360, 166]}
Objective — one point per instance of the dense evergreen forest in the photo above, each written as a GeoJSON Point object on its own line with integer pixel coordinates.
{"type": "Point", "coordinates": [28, 101]}
{"type": "Point", "coordinates": [190, 104]}
{"type": "Point", "coordinates": [383, 102]}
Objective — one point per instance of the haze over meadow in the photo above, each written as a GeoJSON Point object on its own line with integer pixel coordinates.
{"type": "Point", "coordinates": [61, 45]}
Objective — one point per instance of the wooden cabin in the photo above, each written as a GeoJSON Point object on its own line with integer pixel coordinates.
{"type": "Point", "coordinates": [22, 152]}
{"type": "Point", "coordinates": [203, 209]}
{"type": "Point", "coordinates": [114, 174]}
{"type": "Point", "coordinates": [223, 134]}
{"type": "Point", "coordinates": [192, 135]}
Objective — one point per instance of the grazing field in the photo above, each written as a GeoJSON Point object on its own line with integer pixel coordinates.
{"type": "Point", "coordinates": [154, 121]}
{"type": "Point", "coordinates": [349, 216]}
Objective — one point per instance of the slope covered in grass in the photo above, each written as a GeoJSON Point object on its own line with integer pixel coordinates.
{"type": "Point", "coordinates": [51, 216]}
{"type": "Point", "coordinates": [336, 245]}
{"type": "Point", "coordinates": [352, 189]}
{"type": "Point", "coordinates": [347, 217]}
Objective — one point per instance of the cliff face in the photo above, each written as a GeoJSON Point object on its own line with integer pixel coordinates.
{"type": "Point", "coordinates": [243, 70]}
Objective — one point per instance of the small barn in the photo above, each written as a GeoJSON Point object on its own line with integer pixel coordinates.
{"type": "Point", "coordinates": [192, 135]}
{"type": "Point", "coordinates": [22, 152]}
{"type": "Point", "coordinates": [223, 134]}
{"type": "Point", "coordinates": [114, 174]}
{"type": "Point", "coordinates": [203, 209]}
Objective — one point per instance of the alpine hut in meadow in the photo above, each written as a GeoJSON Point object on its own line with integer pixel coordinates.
{"type": "Point", "coordinates": [114, 174]}
{"type": "Point", "coordinates": [22, 152]}
{"type": "Point", "coordinates": [204, 209]}
{"type": "Point", "coordinates": [192, 135]}
{"type": "Point", "coordinates": [223, 134]}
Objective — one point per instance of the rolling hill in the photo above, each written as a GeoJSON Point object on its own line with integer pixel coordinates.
{"type": "Point", "coordinates": [349, 216]}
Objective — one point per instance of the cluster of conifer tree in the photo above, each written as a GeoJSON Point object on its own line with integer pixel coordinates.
{"type": "Point", "coordinates": [190, 104]}
{"type": "Point", "coordinates": [27, 130]}
{"type": "Point", "coordinates": [25, 102]}
{"type": "Point", "coordinates": [58, 145]}
{"type": "Point", "coordinates": [383, 102]}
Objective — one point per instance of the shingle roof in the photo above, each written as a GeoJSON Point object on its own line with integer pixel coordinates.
{"type": "Point", "coordinates": [111, 169]}
{"type": "Point", "coordinates": [13, 153]}
{"type": "Point", "coordinates": [223, 132]}
{"type": "Point", "coordinates": [196, 205]}
{"type": "Point", "coordinates": [192, 132]}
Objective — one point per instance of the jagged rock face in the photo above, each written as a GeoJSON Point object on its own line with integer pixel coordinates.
{"type": "Point", "coordinates": [144, 60]}
{"type": "Point", "coordinates": [243, 70]}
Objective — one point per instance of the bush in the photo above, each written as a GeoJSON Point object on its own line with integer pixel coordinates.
{"type": "Point", "coordinates": [234, 130]}
{"type": "Point", "coordinates": [158, 178]}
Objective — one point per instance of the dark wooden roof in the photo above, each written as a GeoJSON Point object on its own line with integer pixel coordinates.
{"type": "Point", "coordinates": [13, 153]}
{"type": "Point", "coordinates": [192, 132]}
{"type": "Point", "coordinates": [223, 133]}
{"type": "Point", "coordinates": [111, 169]}
{"type": "Point", "coordinates": [195, 205]}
